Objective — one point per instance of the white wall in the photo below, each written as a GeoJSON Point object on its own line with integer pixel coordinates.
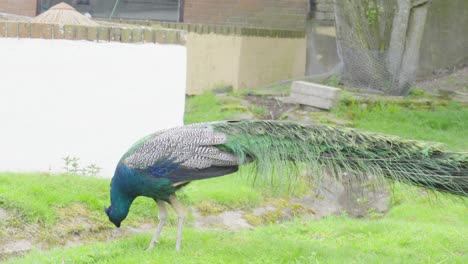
{"type": "Point", "coordinates": [89, 100]}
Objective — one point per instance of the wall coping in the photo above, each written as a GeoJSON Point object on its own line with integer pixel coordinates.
{"type": "Point", "coordinates": [215, 28]}
{"type": "Point", "coordinates": [105, 33]}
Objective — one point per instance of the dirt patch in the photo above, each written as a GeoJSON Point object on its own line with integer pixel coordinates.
{"type": "Point", "coordinates": [273, 108]}
{"type": "Point", "coordinates": [232, 220]}
{"type": "Point", "coordinates": [16, 247]}
{"type": "Point", "coordinates": [356, 199]}
{"type": "Point", "coordinates": [75, 225]}
{"type": "Point", "coordinates": [453, 86]}
{"type": "Point", "coordinates": [456, 81]}
{"type": "Point", "coordinates": [4, 214]}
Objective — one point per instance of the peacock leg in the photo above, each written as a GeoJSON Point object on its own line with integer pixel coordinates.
{"type": "Point", "coordinates": [162, 215]}
{"type": "Point", "coordinates": [179, 210]}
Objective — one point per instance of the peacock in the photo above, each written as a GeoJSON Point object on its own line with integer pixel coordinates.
{"type": "Point", "coordinates": [161, 163]}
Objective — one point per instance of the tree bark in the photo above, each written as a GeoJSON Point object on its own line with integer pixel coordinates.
{"type": "Point", "coordinates": [379, 49]}
{"type": "Point", "coordinates": [410, 60]}
{"type": "Point", "coordinates": [398, 37]}
{"type": "Point", "coordinates": [360, 42]}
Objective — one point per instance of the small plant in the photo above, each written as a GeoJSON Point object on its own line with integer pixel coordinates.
{"type": "Point", "coordinates": [92, 170]}
{"type": "Point", "coordinates": [373, 10]}
{"type": "Point", "coordinates": [206, 208]}
{"type": "Point", "coordinates": [416, 92]}
{"type": "Point", "coordinates": [259, 111]}
{"type": "Point", "coordinates": [72, 166]}
{"type": "Point", "coordinates": [372, 213]}
{"type": "Point", "coordinates": [253, 220]}
{"type": "Point", "coordinates": [333, 81]}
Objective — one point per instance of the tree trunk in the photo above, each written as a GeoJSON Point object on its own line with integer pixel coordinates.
{"type": "Point", "coordinates": [410, 61]}
{"type": "Point", "coordinates": [398, 38]}
{"type": "Point", "coordinates": [379, 49]}
{"type": "Point", "coordinates": [362, 29]}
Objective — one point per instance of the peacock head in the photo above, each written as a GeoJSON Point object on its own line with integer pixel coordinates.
{"type": "Point", "coordinates": [114, 217]}
{"type": "Point", "coordinates": [120, 195]}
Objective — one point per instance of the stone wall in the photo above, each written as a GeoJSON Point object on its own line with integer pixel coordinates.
{"type": "Point", "coordinates": [284, 14]}
{"type": "Point", "coordinates": [15, 29]}
{"type": "Point", "coordinates": [19, 7]}
{"type": "Point", "coordinates": [242, 57]}
{"type": "Point", "coordinates": [265, 60]}
{"type": "Point", "coordinates": [445, 40]}
{"type": "Point", "coordinates": [238, 56]}
{"type": "Point", "coordinates": [245, 62]}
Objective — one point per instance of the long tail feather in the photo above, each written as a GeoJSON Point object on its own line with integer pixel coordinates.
{"type": "Point", "coordinates": [280, 147]}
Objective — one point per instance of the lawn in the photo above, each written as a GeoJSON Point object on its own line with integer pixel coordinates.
{"type": "Point", "coordinates": [419, 227]}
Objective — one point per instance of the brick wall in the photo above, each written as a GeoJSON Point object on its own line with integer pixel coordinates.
{"type": "Point", "coordinates": [19, 7]}
{"type": "Point", "coordinates": [278, 14]}
{"type": "Point", "coordinates": [135, 34]}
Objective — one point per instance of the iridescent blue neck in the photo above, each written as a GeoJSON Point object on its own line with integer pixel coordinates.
{"type": "Point", "coordinates": [122, 192]}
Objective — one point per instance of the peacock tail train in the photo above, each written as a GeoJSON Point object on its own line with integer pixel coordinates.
{"type": "Point", "coordinates": [285, 147]}
{"type": "Point", "coordinates": [161, 163]}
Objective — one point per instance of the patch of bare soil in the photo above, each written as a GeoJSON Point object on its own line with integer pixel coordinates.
{"type": "Point", "coordinates": [453, 86]}
{"type": "Point", "coordinates": [356, 199]}
{"type": "Point", "coordinates": [274, 108]}
{"type": "Point", "coordinates": [75, 226]}
{"type": "Point", "coordinates": [4, 214]}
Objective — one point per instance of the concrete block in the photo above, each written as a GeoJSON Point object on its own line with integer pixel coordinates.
{"type": "Point", "coordinates": [3, 29]}
{"type": "Point", "coordinates": [148, 35]}
{"type": "Point", "coordinates": [47, 31]}
{"type": "Point", "coordinates": [24, 30]}
{"type": "Point", "coordinates": [315, 89]}
{"type": "Point", "coordinates": [103, 34]}
{"type": "Point", "coordinates": [81, 32]}
{"type": "Point", "coordinates": [181, 37]}
{"type": "Point", "coordinates": [12, 29]}
{"type": "Point", "coordinates": [59, 32]}
{"type": "Point", "coordinates": [69, 32]}
{"type": "Point", "coordinates": [171, 37]}
{"type": "Point", "coordinates": [137, 35]}
{"type": "Point", "coordinates": [92, 33]}
{"type": "Point", "coordinates": [161, 36]}
{"type": "Point", "coordinates": [36, 30]}
{"type": "Point", "coordinates": [115, 34]}
{"type": "Point", "coordinates": [126, 35]}
{"type": "Point", "coordinates": [317, 102]}
{"type": "Point", "coordinates": [314, 94]}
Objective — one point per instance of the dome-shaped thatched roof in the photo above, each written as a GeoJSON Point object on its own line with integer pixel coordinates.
{"type": "Point", "coordinates": [63, 14]}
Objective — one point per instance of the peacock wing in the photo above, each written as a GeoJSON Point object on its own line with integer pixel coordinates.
{"type": "Point", "coordinates": [183, 154]}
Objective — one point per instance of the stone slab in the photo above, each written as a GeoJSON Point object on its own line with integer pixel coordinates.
{"type": "Point", "coordinates": [315, 89]}
{"type": "Point", "coordinates": [314, 101]}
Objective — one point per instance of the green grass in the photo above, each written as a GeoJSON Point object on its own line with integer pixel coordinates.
{"type": "Point", "coordinates": [446, 124]}
{"type": "Point", "coordinates": [415, 231]}
{"type": "Point", "coordinates": [207, 107]}
{"type": "Point", "coordinates": [37, 195]}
